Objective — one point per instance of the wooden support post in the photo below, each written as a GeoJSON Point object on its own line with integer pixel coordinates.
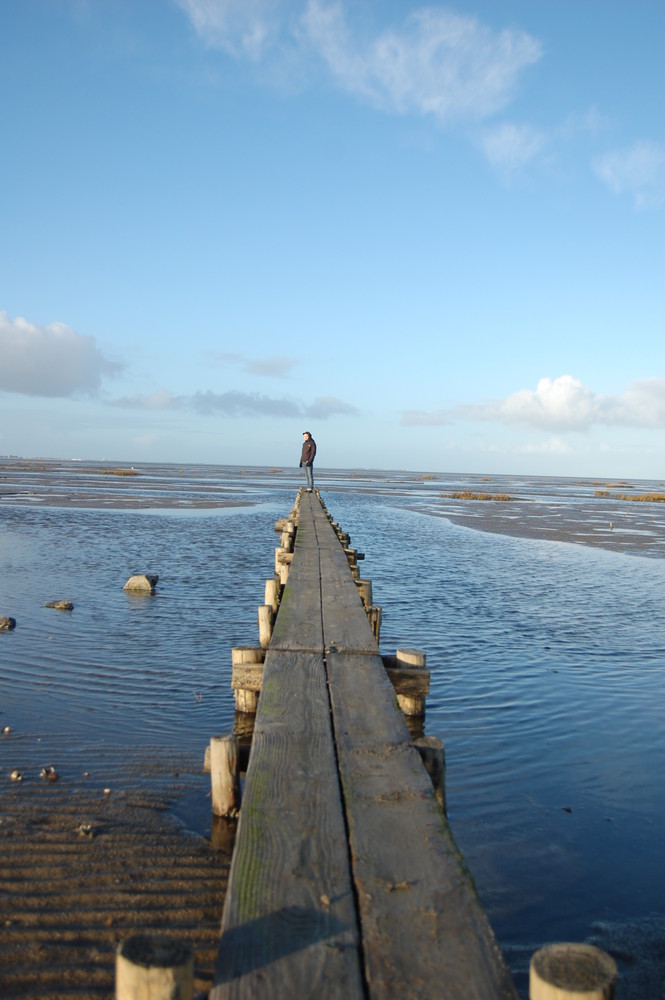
{"type": "Point", "coordinates": [246, 676]}
{"type": "Point", "coordinates": [286, 541]}
{"type": "Point", "coordinates": [572, 972]}
{"type": "Point", "coordinates": [410, 657]}
{"type": "Point", "coordinates": [272, 593]}
{"type": "Point", "coordinates": [281, 557]}
{"type": "Point", "coordinates": [374, 614]}
{"type": "Point", "coordinates": [365, 591]}
{"type": "Point", "coordinates": [223, 835]}
{"type": "Point", "coordinates": [414, 659]}
{"type": "Point", "coordinates": [433, 755]}
{"type": "Point", "coordinates": [266, 618]}
{"type": "Point", "coordinates": [154, 968]}
{"type": "Point", "coordinates": [224, 775]}
{"type": "Point", "coordinates": [247, 701]}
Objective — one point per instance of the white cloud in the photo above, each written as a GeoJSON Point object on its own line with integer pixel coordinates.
{"type": "Point", "coordinates": [51, 360]}
{"type": "Point", "coordinates": [239, 27]}
{"type": "Point", "coordinates": [562, 404]}
{"type": "Point", "coordinates": [509, 147]}
{"type": "Point", "coordinates": [436, 63]}
{"type": "Point", "coordinates": [637, 171]}
{"type": "Point", "coordinates": [439, 63]}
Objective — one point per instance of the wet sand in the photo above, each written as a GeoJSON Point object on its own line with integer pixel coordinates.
{"type": "Point", "coordinates": [638, 530]}
{"type": "Point", "coordinates": [83, 871]}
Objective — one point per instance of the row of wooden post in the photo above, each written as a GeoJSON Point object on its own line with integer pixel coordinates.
{"type": "Point", "coordinates": [159, 968]}
{"type": "Point", "coordinates": [406, 668]}
{"type": "Point", "coordinates": [223, 754]}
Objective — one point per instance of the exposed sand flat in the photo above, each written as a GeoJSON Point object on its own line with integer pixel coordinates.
{"type": "Point", "coordinates": [67, 898]}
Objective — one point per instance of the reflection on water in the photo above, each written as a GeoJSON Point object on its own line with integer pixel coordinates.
{"type": "Point", "coordinates": [547, 667]}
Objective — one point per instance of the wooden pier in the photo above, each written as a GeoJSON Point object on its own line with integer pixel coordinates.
{"type": "Point", "coordinates": [345, 879]}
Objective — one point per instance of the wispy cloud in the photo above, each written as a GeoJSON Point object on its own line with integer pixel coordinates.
{"type": "Point", "coordinates": [562, 404]}
{"type": "Point", "coordinates": [330, 406]}
{"type": "Point", "coordinates": [243, 404]}
{"type": "Point", "coordinates": [637, 171]}
{"type": "Point", "coordinates": [435, 62]}
{"type": "Point", "coordinates": [160, 399]}
{"type": "Point", "coordinates": [508, 146]}
{"type": "Point", "coordinates": [242, 28]}
{"type": "Point", "coordinates": [235, 404]}
{"type": "Point", "coordinates": [551, 446]}
{"type": "Point", "coordinates": [276, 367]}
{"type": "Point", "coordinates": [51, 360]}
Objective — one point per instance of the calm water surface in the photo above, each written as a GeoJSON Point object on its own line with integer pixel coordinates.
{"type": "Point", "coordinates": [547, 660]}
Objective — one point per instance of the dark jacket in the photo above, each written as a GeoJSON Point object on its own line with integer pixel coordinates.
{"type": "Point", "coordinates": [308, 452]}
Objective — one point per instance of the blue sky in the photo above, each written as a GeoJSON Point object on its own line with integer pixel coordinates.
{"type": "Point", "coordinates": [432, 235]}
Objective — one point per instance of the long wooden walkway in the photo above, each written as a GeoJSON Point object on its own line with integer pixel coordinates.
{"type": "Point", "coordinates": [345, 879]}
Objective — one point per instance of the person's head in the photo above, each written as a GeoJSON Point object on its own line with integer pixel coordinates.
{"type": "Point", "coordinates": [306, 435]}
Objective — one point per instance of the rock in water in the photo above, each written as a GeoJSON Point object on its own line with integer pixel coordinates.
{"type": "Point", "coordinates": [144, 582]}
{"type": "Point", "coordinates": [7, 623]}
{"type": "Point", "coordinates": [60, 605]}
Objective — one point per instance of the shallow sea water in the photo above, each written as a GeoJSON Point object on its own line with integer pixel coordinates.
{"type": "Point", "coordinates": [547, 661]}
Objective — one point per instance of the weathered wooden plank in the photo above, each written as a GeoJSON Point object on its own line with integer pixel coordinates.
{"type": "Point", "coordinates": [290, 927]}
{"type": "Point", "coordinates": [299, 622]}
{"type": "Point", "coordinates": [346, 626]}
{"type": "Point", "coordinates": [408, 871]}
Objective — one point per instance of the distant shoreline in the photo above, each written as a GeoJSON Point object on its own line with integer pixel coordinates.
{"type": "Point", "coordinates": [588, 515]}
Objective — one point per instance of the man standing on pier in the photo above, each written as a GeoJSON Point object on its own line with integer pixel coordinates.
{"type": "Point", "coordinates": [307, 458]}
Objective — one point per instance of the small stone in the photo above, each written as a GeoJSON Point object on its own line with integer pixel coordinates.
{"type": "Point", "coordinates": [16, 775]}
{"type": "Point", "coordinates": [7, 623]}
{"type": "Point", "coordinates": [7, 730]}
{"type": "Point", "coordinates": [60, 605]}
{"type": "Point", "coordinates": [49, 772]}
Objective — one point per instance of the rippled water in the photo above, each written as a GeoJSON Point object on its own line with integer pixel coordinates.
{"type": "Point", "coordinates": [547, 660]}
